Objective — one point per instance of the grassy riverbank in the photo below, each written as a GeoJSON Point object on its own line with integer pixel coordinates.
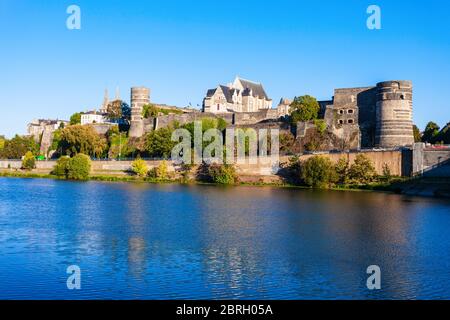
{"type": "Point", "coordinates": [386, 187]}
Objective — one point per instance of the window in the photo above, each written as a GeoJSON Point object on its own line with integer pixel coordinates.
{"type": "Point", "coordinates": [341, 121]}
{"type": "Point", "coordinates": [350, 121]}
{"type": "Point", "coordinates": [350, 111]}
{"type": "Point", "coordinates": [218, 107]}
{"type": "Point", "coordinates": [341, 111]}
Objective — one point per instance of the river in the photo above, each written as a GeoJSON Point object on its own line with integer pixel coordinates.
{"type": "Point", "coordinates": [144, 241]}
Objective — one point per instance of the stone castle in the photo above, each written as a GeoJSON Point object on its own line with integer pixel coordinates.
{"type": "Point", "coordinates": [357, 118]}
{"type": "Point", "coordinates": [379, 116]}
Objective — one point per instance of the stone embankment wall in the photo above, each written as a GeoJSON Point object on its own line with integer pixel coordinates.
{"type": "Point", "coordinates": [395, 159]}
{"type": "Point", "coordinates": [431, 161]}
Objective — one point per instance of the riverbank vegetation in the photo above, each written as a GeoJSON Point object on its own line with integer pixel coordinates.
{"type": "Point", "coordinates": [320, 172]}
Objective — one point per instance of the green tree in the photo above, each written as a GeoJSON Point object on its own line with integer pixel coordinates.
{"type": "Point", "coordinates": [18, 146]}
{"type": "Point", "coordinates": [79, 167]}
{"type": "Point", "coordinates": [342, 167]}
{"type": "Point", "coordinates": [362, 170]}
{"type": "Point", "coordinates": [117, 110]}
{"type": "Point", "coordinates": [304, 108]}
{"type": "Point", "coordinates": [431, 132]}
{"type": "Point", "coordinates": [159, 143]}
{"type": "Point", "coordinates": [75, 118]}
{"type": "Point", "coordinates": [139, 167]}
{"type": "Point", "coordinates": [417, 134]}
{"type": "Point", "coordinates": [318, 172]}
{"type": "Point", "coordinates": [443, 136]}
{"type": "Point", "coordinates": [29, 161]}
{"type": "Point", "coordinates": [61, 167]}
{"type": "Point", "coordinates": [2, 143]}
{"type": "Point", "coordinates": [150, 111]}
{"type": "Point", "coordinates": [82, 139]}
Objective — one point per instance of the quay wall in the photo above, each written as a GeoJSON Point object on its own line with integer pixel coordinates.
{"type": "Point", "coordinates": [397, 160]}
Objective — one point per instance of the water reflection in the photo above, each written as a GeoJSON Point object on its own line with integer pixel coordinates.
{"type": "Point", "coordinates": [148, 241]}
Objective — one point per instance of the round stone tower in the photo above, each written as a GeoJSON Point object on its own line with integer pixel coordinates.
{"type": "Point", "coordinates": [140, 96]}
{"type": "Point", "coordinates": [394, 124]}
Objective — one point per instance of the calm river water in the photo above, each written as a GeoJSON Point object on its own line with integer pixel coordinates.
{"type": "Point", "coordinates": [142, 241]}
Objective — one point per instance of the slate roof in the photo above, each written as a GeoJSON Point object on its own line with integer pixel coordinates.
{"type": "Point", "coordinates": [257, 88]}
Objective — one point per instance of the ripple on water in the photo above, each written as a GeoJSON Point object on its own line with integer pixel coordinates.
{"type": "Point", "coordinates": [203, 242]}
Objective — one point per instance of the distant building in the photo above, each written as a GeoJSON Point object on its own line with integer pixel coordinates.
{"type": "Point", "coordinates": [283, 107]}
{"type": "Point", "coordinates": [100, 116]}
{"type": "Point", "coordinates": [42, 131]}
{"type": "Point", "coordinates": [91, 117]}
{"type": "Point", "coordinates": [239, 96]}
{"type": "Point", "coordinates": [36, 127]}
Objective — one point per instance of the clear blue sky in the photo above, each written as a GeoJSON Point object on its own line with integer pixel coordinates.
{"type": "Point", "coordinates": [181, 48]}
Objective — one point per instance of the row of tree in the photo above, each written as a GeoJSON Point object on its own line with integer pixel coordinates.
{"type": "Point", "coordinates": [321, 172]}
{"type": "Point", "coordinates": [433, 134]}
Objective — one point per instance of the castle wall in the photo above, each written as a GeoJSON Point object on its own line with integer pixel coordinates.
{"type": "Point", "coordinates": [354, 107]}
{"type": "Point", "coordinates": [239, 118]}
{"type": "Point", "coordinates": [263, 168]}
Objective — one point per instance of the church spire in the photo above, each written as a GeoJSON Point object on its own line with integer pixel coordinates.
{"type": "Point", "coordinates": [105, 101]}
{"type": "Point", "coordinates": [117, 93]}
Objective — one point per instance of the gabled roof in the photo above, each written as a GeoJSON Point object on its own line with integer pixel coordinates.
{"type": "Point", "coordinates": [228, 94]}
{"type": "Point", "coordinates": [256, 88]}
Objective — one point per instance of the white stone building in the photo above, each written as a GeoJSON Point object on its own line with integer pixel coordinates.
{"type": "Point", "coordinates": [239, 96]}
{"type": "Point", "coordinates": [93, 117]}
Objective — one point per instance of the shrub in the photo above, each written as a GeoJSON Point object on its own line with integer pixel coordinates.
{"type": "Point", "coordinates": [139, 167]}
{"type": "Point", "coordinates": [387, 175]}
{"type": "Point", "coordinates": [287, 141]}
{"type": "Point", "coordinates": [61, 167]}
{"type": "Point", "coordinates": [222, 174]}
{"type": "Point", "coordinates": [29, 161]}
{"type": "Point", "coordinates": [318, 172]}
{"type": "Point", "coordinates": [362, 170]}
{"type": "Point", "coordinates": [79, 167]}
{"type": "Point", "coordinates": [341, 168]}
{"type": "Point", "coordinates": [160, 172]}
{"type": "Point", "coordinates": [321, 125]}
